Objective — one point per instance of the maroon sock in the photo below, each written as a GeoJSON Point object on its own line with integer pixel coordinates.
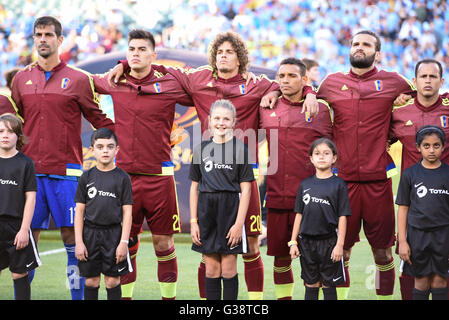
{"type": "Point", "coordinates": [167, 272]}
{"type": "Point", "coordinates": [202, 279]}
{"type": "Point", "coordinates": [406, 283]}
{"type": "Point", "coordinates": [254, 274]}
{"type": "Point", "coordinates": [283, 275]}
{"type": "Point", "coordinates": [385, 277]}
{"type": "Point", "coordinates": [128, 279]}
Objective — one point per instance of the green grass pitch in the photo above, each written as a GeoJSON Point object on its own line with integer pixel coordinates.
{"type": "Point", "coordinates": [50, 279]}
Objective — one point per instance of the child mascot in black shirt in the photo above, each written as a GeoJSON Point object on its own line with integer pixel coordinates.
{"type": "Point", "coordinates": [221, 174]}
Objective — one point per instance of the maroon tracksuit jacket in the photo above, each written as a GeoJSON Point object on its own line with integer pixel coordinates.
{"type": "Point", "coordinates": [295, 133]}
{"type": "Point", "coordinates": [362, 107]}
{"type": "Point", "coordinates": [143, 120]}
{"type": "Point", "coordinates": [407, 119]}
{"type": "Point", "coordinates": [7, 105]}
{"type": "Point", "coordinates": [52, 111]}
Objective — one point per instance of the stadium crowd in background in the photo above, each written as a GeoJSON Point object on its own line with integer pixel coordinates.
{"type": "Point", "coordinates": [410, 29]}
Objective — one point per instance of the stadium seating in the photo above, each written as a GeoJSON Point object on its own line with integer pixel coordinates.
{"type": "Point", "coordinates": [410, 29]}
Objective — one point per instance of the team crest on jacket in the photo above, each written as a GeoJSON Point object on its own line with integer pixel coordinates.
{"type": "Point", "coordinates": [307, 117]}
{"type": "Point", "coordinates": [378, 84]}
{"type": "Point", "coordinates": [242, 88]}
{"type": "Point", "coordinates": [157, 87]}
{"type": "Point", "coordinates": [443, 120]}
{"type": "Point", "coordinates": [65, 83]}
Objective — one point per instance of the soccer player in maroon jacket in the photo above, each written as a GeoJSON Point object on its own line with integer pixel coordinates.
{"type": "Point", "coordinates": [222, 79]}
{"type": "Point", "coordinates": [7, 105]}
{"type": "Point", "coordinates": [143, 123]}
{"type": "Point", "coordinates": [428, 108]}
{"type": "Point", "coordinates": [51, 98]}
{"type": "Point", "coordinates": [288, 133]}
{"type": "Point", "coordinates": [362, 101]}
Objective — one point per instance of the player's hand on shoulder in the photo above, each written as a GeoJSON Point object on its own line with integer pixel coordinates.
{"type": "Point", "coordinates": [269, 100]}
{"type": "Point", "coordinates": [402, 99]}
{"type": "Point", "coordinates": [115, 74]}
{"type": "Point", "coordinates": [249, 76]}
{"type": "Point", "coordinates": [30, 66]}
{"type": "Point", "coordinates": [310, 105]}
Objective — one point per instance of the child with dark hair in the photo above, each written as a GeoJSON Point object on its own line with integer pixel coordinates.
{"type": "Point", "coordinates": [423, 217]}
{"type": "Point", "coordinates": [18, 188]}
{"type": "Point", "coordinates": [318, 235]}
{"type": "Point", "coordinates": [103, 219]}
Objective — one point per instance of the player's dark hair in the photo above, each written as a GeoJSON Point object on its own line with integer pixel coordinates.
{"type": "Point", "coordinates": [428, 61]}
{"type": "Point", "coordinates": [103, 133]}
{"type": "Point", "coordinates": [302, 67]}
{"type": "Point", "coordinates": [428, 130]}
{"type": "Point", "coordinates": [237, 44]}
{"type": "Point", "coordinates": [327, 142]}
{"type": "Point", "coordinates": [9, 76]}
{"type": "Point", "coordinates": [15, 124]}
{"type": "Point", "coordinates": [310, 63]}
{"type": "Point", "coordinates": [371, 33]}
{"type": "Point", "coordinates": [48, 21]}
{"type": "Point", "coordinates": [142, 34]}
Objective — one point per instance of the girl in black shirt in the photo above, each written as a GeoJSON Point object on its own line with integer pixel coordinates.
{"type": "Point", "coordinates": [220, 171]}
{"type": "Point", "coordinates": [423, 217]}
{"type": "Point", "coordinates": [322, 204]}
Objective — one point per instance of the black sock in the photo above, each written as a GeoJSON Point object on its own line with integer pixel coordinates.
{"type": "Point", "coordinates": [420, 294]}
{"type": "Point", "coordinates": [439, 293]}
{"type": "Point", "coordinates": [213, 288]}
{"type": "Point", "coordinates": [231, 288]}
{"type": "Point", "coordinates": [90, 293]}
{"type": "Point", "coordinates": [330, 293]}
{"type": "Point", "coordinates": [114, 293]}
{"type": "Point", "coordinates": [311, 293]}
{"type": "Point", "coordinates": [22, 288]}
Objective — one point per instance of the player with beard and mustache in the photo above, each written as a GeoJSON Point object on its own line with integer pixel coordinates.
{"type": "Point", "coordinates": [362, 100]}
{"type": "Point", "coordinates": [51, 98]}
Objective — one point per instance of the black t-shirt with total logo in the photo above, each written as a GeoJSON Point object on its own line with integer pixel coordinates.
{"type": "Point", "coordinates": [17, 176]}
{"type": "Point", "coordinates": [321, 202]}
{"type": "Point", "coordinates": [104, 193]}
{"type": "Point", "coordinates": [221, 166]}
{"type": "Point", "coordinates": [426, 193]}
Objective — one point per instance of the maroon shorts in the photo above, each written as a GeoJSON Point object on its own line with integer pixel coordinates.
{"type": "Point", "coordinates": [155, 200]}
{"type": "Point", "coordinates": [253, 222]}
{"type": "Point", "coordinates": [279, 231]}
{"type": "Point", "coordinates": [371, 203]}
